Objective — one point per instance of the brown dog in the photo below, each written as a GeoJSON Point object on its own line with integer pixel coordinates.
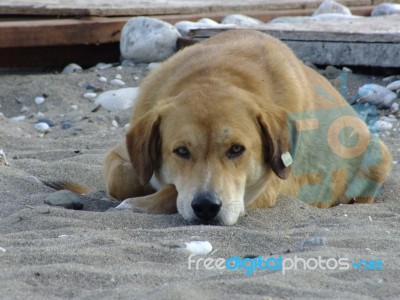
{"type": "Point", "coordinates": [235, 121]}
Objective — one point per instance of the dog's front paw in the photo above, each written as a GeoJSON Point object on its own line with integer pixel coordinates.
{"type": "Point", "coordinates": [134, 205]}
{"type": "Point", "coordinates": [161, 202]}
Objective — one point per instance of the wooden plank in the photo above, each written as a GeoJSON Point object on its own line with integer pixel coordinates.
{"type": "Point", "coordinates": [97, 30]}
{"type": "Point", "coordinates": [154, 7]}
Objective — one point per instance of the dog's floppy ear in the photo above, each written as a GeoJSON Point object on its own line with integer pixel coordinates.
{"type": "Point", "coordinates": [275, 137]}
{"type": "Point", "coordinates": [143, 143]}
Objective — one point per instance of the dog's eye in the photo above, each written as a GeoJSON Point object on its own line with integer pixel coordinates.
{"type": "Point", "coordinates": [182, 152]}
{"type": "Point", "coordinates": [235, 151]}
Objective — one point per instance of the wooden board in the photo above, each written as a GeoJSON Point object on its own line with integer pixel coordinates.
{"type": "Point", "coordinates": [369, 41]}
{"type": "Point", "coordinates": [156, 7]}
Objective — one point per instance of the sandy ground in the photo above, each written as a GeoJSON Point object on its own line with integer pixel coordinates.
{"type": "Point", "coordinates": [50, 252]}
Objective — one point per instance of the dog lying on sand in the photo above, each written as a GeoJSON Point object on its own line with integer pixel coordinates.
{"type": "Point", "coordinates": [233, 122]}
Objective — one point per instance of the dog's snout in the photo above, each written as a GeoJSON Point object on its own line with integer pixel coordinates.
{"type": "Point", "coordinates": [206, 206]}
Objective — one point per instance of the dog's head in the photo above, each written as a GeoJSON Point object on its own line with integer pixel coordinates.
{"type": "Point", "coordinates": [218, 151]}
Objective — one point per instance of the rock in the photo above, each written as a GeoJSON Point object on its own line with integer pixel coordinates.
{"type": "Point", "coordinates": [102, 79]}
{"type": "Point", "coordinates": [33, 179]}
{"type": "Point", "coordinates": [66, 124]}
{"type": "Point", "coordinates": [147, 40]}
{"type": "Point", "coordinates": [74, 107]}
{"type": "Point", "coordinates": [65, 199]}
{"type": "Point", "coordinates": [184, 27]}
{"type": "Point", "coordinates": [72, 68]}
{"type": "Point", "coordinates": [42, 127]}
{"type": "Point", "coordinates": [198, 247]}
{"type": "Point", "coordinates": [24, 109]}
{"type": "Point", "coordinates": [89, 95]}
{"type": "Point", "coordinates": [18, 118]}
{"type": "Point", "coordinates": [118, 76]}
{"type": "Point", "coordinates": [394, 108]}
{"type": "Point", "coordinates": [127, 63]}
{"type": "Point", "coordinates": [390, 79]}
{"type": "Point", "coordinates": [39, 100]}
{"type": "Point", "coordinates": [241, 20]}
{"type": "Point", "coordinates": [330, 6]}
{"type": "Point", "coordinates": [384, 9]}
{"type": "Point", "coordinates": [153, 66]}
{"type": "Point", "coordinates": [103, 66]}
{"type": "Point", "coordinates": [394, 86]}
{"type": "Point", "coordinates": [382, 126]}
{"type": "Point", "coordinates": [49, 122]}
{"type": "Point", "coordinates": [118, 99]}
{"type": "Point", "coordinates": [117, 82]}
{"type": "Point", "coordinates": [377, 95]}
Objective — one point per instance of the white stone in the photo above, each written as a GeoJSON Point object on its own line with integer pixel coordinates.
{"type": "Point", "coordinates": [330, 6]}
{"type": "Point", "coordinates": [74, 107]}
{"type": "Point", "coordinates": [241, 20]}
{"type": "Point", "coordinates": [394, 107]}
{"type": "Point", "coordinates": [394, 86]}
{"type": "Point", "coordinates": [333, 17]}
{"type": "Point", "coordinates": [377, 95]}
{"type": "Point", "coordinates": [103, 66]}
{"type": "Point", "coordinates": [199, 247]}
{"type": "Point", "coordinates": [39, 100]}
{"type": "Point", "coordinates": [147, 40]}
{"type": "Point", "coordinates": [118, 99]}
{"type": "Point", "coordinates": [153, 66]}
{"type": "Point", "coordinates": [24, 109]}
{"type": "Point", "coordinates": [385, 9]}
{"type": "Point", "coordinates": [117, 82]}
{"type": "Point", "coordinates": [89, 95]}
{"type": "Point", "coordinates": [18, 118]}
{"type": "Point", "coordinates": [118, 76]}
{"type": "Point", "coordinates": [114, 123]}
{"type": "Point", "coordinates": [42, 127]}
{"type": "Point", "coordinates": [184, 27]}
{"type": "Point", "coordinates": [72, 68]}
{"type": "Point", "coordinates": [102, 79]}
{"type": "Point", "coordinates": [382, 125]}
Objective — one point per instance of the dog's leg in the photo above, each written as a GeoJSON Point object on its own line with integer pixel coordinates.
{"type": "Point", "coordinates": [161, 202]}
{"type": "Point", "coordinates": [377, 173]}
{"type": "Point", "coordinates": [120, 178]}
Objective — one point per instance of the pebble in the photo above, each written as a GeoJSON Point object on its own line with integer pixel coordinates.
{"type": "Point", "coordinates": [384, 9]}
{"type": "Point", "coordinates": [49, 122]}
{"type": "Point", "coordinates": [394, 86]}
{"type": "Point", "coordinates": [119, 68]}
{"type": "Point", "coordinates": [74, 107]}
{"type": "Point", "coordinates": [102, 79]}
{"type": "Point", "coordinates": [39, 115]}
{"type": "Point", "coordinates": [241, 20]}
{"type": "Point", "coordinates": [199, 247]}
{"type": "Point", "coordinates": [18, 118]}
{"type": "Point", "coordinates": [114, 123]}
{"type": "Point", "coordinates": [312, 242]}
{"type": "Point", "coordinates": [394, 107]}
{"type": "Point", "coordinates": [90, 87]}
{"type": "Point", "coordinates": [33, 179]}
{"type": "Point", "coordinates": [42, 127]}
{"type": "Point", "coordinates": [65, 199]}
{"type": "Point", "coordinates": [103, 66]}
{"type": "Point", "coordinates": [184, 27]}
{"type": "Point", "coordinates": [128, 63]}
{"type": "Point", "coordinates": [145, 39]}
{"type": "Point", "coordinates": [66, 125]}
{"type": "Point", "coordinates": [3, 159]}
{"type": "Point", "coordinates": [24, 109]}
{"type": "Point", "coordinates": [39, 100]}
{"type": "Point", "coordinates": [118, 99]}
{"type": "Point", "coordinates": [72, 68]}
{"type": "Point", "coordinates": [118, 76]}
{"type": "Point", "coordinates": [89, 95]}
{"type": "Point", "coordinates": [382, 126]}
{"type": "Point", "coordinates": [390, 79]}
{"type": "Point", "coordinates": [377, 95]}
{"type": "Point", "coordinates": [152, 66]}
{"type": "Point", "coordinates": [330, 6]}
{"type": "Point", "coordinates": [117, 82]}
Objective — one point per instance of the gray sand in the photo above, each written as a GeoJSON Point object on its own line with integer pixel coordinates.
{"type": "Point", "coordinates": [49, 252]}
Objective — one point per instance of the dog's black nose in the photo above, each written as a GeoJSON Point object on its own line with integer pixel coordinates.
{"type": "Point", "coordinates": [206, 205]}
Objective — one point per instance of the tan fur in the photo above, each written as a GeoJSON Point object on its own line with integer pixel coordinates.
{"type": "Point", "coordinates": [239, 87]}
